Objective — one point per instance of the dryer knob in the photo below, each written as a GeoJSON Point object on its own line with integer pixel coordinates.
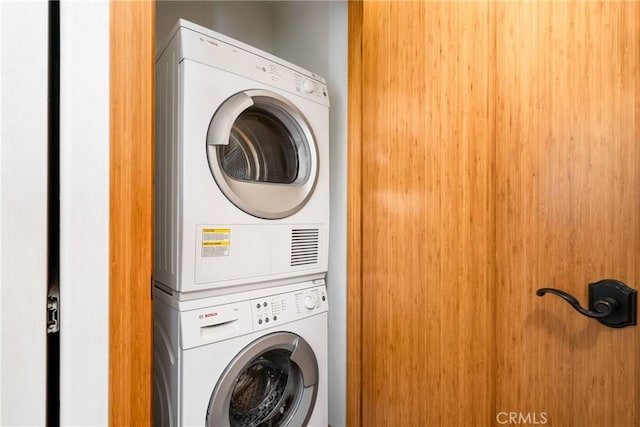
{"type": "Point", "coordinates": [309, 303]}
{"type": "Point", "coordinates": [308, 86]}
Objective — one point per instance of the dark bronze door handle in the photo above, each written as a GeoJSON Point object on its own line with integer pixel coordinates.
{"type": "Point", "coordinates": [603, 307]}
{"type": "Point", "coordinates": [611, 302]}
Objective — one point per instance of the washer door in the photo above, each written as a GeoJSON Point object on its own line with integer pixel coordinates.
{"type": "Point", "coordinates": [262, 154]}
{"type": "Point", "coordinates": [271, 382]}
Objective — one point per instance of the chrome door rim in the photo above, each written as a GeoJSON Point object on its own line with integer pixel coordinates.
{"type": "Point", "coordinates": [301, 354]}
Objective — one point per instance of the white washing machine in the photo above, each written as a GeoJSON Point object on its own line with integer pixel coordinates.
{"type": "Point", "coordinates": [257, 358]}
{"type": "Point", "coordinates": [242, 166]}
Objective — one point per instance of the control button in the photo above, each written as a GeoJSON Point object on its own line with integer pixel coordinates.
{"type": "Point", "coordinates": [275, 318]}
{"type": "Point", "coordinates": [324, 298]}
{"type": "Point", "coordinates": [308, 86]}
{"type": "Point", "coordinates": [258, 305]}
{"type": "Point", "coordinates": [259, 321]}
{"type": "Point", "coordinates": [309, 303]}
{"type": "Point", "coordinates": [266, 320]}
{"type": "Point", "coordinates": [264, 304]}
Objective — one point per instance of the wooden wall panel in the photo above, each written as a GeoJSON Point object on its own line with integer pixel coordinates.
{"type": "Point", "coordinates": [354, 218]}
{"type": "Point", "coordinates": [428, 217]}
{"type": "Point", "coordinates": [131, 211]}
{"type": "Point", "coordinates": [568, 206]}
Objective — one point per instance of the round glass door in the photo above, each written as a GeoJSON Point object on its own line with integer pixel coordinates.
{"type": "Point", "coordinates": [262, 154]}
{"type": "Point", "coordinates": [272, 382]}
{"type": "Point", "coordinates": [266, 391]}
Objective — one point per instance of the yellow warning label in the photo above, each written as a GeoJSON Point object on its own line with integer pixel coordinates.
{"type": "Point", "coordinates": [216, 242]}
{"type": "Point", "coordinates": [216, 230]}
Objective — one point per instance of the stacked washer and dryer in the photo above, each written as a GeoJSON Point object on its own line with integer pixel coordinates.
{"type": "Point", "coordinates": [241, 236]}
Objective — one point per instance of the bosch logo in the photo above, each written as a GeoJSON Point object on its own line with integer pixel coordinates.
{"type": "Point", "coordinates": [214, 314]}
{"type": "Point", "coordinates": [209, 42]}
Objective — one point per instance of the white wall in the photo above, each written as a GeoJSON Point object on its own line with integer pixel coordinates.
{"type": "Point", "coordinates": [23, 212]}
{"type": "Point", "coordinates": [337, 276]}
{"type": "Point", "coordinates": [313, 35]}
{"type": "Point", "coordinates": [84, 211]}
{"type": "Point", "coordinates": [248, 21]}
{"type": "Point", "coordinates": [301, 34]}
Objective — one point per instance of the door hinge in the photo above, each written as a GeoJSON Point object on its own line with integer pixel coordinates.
{"type": "Point", "coordinates": [53, 313]}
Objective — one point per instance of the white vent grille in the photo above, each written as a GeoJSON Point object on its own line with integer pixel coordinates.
{"type": "Point", "coordinates": [304, 246]}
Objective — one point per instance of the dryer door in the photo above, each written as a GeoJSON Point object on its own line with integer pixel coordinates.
{"type": "Point", "coordinates": [271, 382]}
{"type": "Point", "coordinates": [262, 154]}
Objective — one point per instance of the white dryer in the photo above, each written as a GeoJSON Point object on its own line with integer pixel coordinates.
{"type": "Point", "coordinates": [242, 166]}
{"type": "Point", "coordinates": [252, 359]}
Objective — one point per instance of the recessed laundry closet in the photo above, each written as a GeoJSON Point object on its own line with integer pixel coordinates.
{"type": "Point", "coordinates": [250, 216]}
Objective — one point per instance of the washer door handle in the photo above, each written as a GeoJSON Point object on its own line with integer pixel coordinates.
{"type": "Point", "coordinates": [303, 356]}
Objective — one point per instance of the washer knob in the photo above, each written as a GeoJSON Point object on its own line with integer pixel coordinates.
{"type": "Point", "coordinates": [309, 303]}
{"type": "Point", "coordinates": [308, 86]}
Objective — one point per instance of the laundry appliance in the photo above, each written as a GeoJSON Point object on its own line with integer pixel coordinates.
{"type": "Point", "coordinates": [242, 167]}
{"type": "Point", "coordinates": [256, 358]}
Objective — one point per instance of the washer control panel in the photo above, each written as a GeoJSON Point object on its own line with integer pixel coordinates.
{"type": "Point", "coordinates": [283, 308]}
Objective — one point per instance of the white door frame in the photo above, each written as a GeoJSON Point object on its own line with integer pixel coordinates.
{"type": "Point", "coordinates": [23, 211]}
{"type": "Point", "coordinates": [84, 210]}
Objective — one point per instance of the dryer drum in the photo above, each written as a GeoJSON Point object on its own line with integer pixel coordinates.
{"type": "Point", "coordinates": [265, 392]}
{"type": "Point", "coordinates": [261, 148]}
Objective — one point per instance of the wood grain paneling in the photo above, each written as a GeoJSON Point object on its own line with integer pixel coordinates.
{"type": "Point", "coordinates": [354, 218]}
{"type": "Point", "coordinates": [499, 146]}
{"type": "Point", "coordinates": [428, 217]}
{"type": "Point", "coordinates": [568, 206]}
{"type": "Point", "coordinates": [131, 211]}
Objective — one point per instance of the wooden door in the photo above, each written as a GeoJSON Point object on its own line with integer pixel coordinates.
{"type": "Point", "coordinates": [567, 207]}
{"type": "Point", "coordinates": [495, 149]}
{"type": "Point", "coordinates": [427, 214]}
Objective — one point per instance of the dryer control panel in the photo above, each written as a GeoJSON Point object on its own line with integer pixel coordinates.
{"type": "Point", "coordinates": [214, 49]}
{"type": "Point", "coordinates": [283, 308]}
